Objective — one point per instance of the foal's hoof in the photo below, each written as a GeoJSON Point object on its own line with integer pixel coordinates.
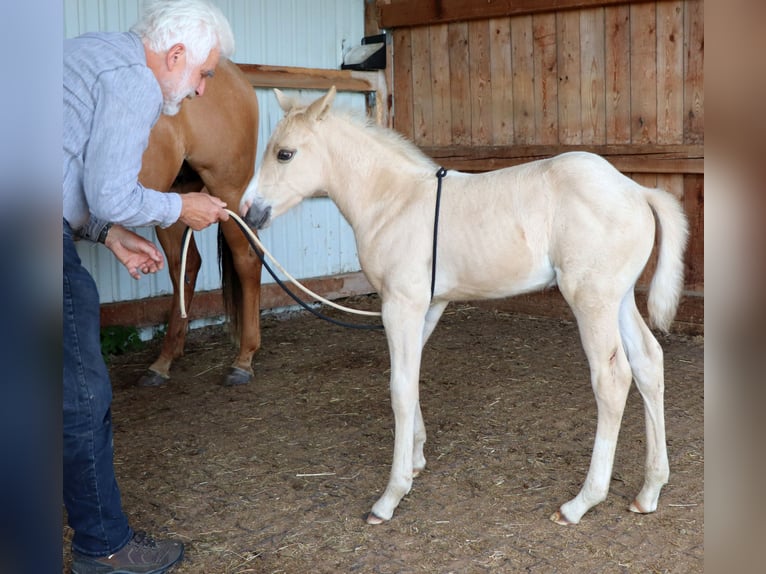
{"type": "Point", "coordinates": [559, 518]}
{"type": "Point", "coordinates": [371, 518]}
{"type": "Point", "coordinates": [152, 379]}
{"type": "Point", "coordinates": [237, 377]}
{"type": "Point", "coordinates": [636, 507]}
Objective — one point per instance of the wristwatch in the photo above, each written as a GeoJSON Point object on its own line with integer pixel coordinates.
{"type": "Point", "coordinates": [104, 233]}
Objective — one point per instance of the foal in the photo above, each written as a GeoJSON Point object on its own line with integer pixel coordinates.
{"type": "Point", "coordinates": [573, 221]}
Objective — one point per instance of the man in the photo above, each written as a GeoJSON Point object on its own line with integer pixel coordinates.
{"type": "Point", "coordinates": [115, 87]}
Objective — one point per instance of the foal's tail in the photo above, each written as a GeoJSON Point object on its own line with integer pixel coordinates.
{"type": "Point", "coordinates": [667, 283]}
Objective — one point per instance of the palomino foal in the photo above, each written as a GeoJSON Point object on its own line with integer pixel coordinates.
{"type": "Point", "coordinates": [572, 221]}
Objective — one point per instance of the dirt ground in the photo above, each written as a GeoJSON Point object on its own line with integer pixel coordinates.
{"type": "Point", "coordinates": [275, 476]}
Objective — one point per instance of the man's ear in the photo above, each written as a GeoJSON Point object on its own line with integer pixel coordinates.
{"type": "Point", "coordinates": [174, 56]}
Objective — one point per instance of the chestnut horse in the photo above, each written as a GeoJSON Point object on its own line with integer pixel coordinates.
{"type": "Point", "coordinates": [210, 143]}
{"type": "Point", "coordinates": [572, 220]}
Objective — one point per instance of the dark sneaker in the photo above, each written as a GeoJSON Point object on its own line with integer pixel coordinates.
{"type": "Point", "coordinates": [142, 555]}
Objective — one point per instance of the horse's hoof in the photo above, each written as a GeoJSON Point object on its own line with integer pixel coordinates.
{"type": "Point", "coordinates": [371, 518]}
{"type": "Point", "coordinates": [152, 379]}
{"type": "Point", "coordinates": [636, 507]}
{"type": "Point", "coordinates": [559, 518]}
{"type": "Point", "coordinates": [237, 377]}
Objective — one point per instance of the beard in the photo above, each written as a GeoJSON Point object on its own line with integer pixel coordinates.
{"type": "Point", "coordinates": [177, 93]}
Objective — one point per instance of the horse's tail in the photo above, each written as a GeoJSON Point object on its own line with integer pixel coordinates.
{"type": "Point", "coordinates": [668, 281]}
{"type": "Point", "coordinates": [231, 287]}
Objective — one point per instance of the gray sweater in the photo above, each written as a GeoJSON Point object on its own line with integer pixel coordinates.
{"type": "Point", "coordinates": [111, 101]}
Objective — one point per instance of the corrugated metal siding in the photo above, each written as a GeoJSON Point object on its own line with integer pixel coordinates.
{"type": "Point", "coordinates": [313, 240]}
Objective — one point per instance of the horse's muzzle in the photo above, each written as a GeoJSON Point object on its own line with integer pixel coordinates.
{"type": "Point", "coordinates": [258, 216]}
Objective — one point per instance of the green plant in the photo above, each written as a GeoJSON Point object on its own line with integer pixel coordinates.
{"type": "Point", "coordinates": [118, 339]}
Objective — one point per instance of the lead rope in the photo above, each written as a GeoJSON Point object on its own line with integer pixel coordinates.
{"type": "Point", "coordinates": [260, 250]}
{"type": "Point", "coordinates": [439, 176]}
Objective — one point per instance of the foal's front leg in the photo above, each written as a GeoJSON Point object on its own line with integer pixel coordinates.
{"type": "Point", "coordinates": [404, 330]}
{"type": "Point", "coordinates": [418, 458]}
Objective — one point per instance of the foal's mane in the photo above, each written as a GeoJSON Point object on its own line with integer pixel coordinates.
{"type": "Point", "coordinates": [397, 143]}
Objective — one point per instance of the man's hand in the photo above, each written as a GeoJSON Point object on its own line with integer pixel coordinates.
{"type": "Point", "coordinates": [198, 210]}
{"type": "Point", "coordinates": [134, 252]}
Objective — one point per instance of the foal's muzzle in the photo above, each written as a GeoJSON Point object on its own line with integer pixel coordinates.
{"type": "Point", "coordinates": [258, 216]}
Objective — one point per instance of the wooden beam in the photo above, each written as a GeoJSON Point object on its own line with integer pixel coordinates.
{"type": "Point", "coordinates": [209, 304]}
{"type": "Point", "coordinates": [261, 76]}
{"type": "Point", "coordinates": [689, 319]}
{"type": "Point", "coordinates": [628, 158]}
{"type": "Point", "coordinates": [405, 13]}
{"type": "Point", "coordinates": [293, 77]}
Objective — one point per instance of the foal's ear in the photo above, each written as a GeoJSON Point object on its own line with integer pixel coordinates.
{"type": "Point", "coordinates": [318, 110]}
{"type": "Point", "coordinates": [284, 102]}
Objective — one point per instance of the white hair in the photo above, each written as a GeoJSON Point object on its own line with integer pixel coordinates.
{"type": "Point", "coordinates": [197, 24]}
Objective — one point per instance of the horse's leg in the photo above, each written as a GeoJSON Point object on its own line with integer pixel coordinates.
{"type": "Point", "coordinates": [404, 322]}
{"type": "Point", "coordinates": [418, 458]}
{"type": "Point", "coordinates": [646, 362]}
{"type": "Point", "coordinates": [248, 268]}
{"type": "Point", "coordinates": [597, 321]}
{"type": "Point", "coordinates": [175, 336]}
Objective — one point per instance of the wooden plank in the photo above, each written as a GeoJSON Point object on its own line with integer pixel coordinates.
{"type": "Point", "coordinates": [625, 164]}
{"type": "Point", "coordinates": [371, 18]}
{"type": "Point", "coordinates": [549, 303]}
{"type": "Point", "coordinates": [422, 105]}
{"type": "Point", "coordinates": [209, 304]}
{"type": "Point", "coordinates": [652, 159]}
{"type": "Point", "coordinates": [681, 151]}
{"type": "Point", "coordinates": [694, 60]}
{"type": "Point", "coordinates": [261, 76]}
{"type": "Point", "coordinates": [371, 82]}
{"type": "Point", "coordinates": [645, 179]}
{"type": "Point", "coordinates": [403, 113]}
{"type": "Point", "coordinates": [593, 76]}
{"type": "Point", "coordinates": [546, 84]}
{"type": "Point", "coordinates": [460, 82]}
{"type": "Point", "coordinates": [568, 55]}
{"type": "Point", "coordinates": [657, 165]}
{"type": "Point", "coordinates": [670, 65]}
{"type": "Point", "coordinates": [501, 83]}
{"type": "Point", "coordinates": [404, 13]}
{"type": "Point", "coordinates": [694, 205]}
{"type": "Point", "coordinates": [440, 84]}
{"type": "Point", "coordinates": [617, 59]}
{"type": "Point", "coordinates": [480, 90]}
{"type": "Point", "coordinates": [522, 56]}
{"type": "Point", "coordinates": [643, 72]}
{"type": "Point", "coordinates": [645, 279]}
{"type": "Point", "coordinates": [672, 183]}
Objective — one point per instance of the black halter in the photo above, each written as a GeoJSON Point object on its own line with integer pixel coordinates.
{"type": "Point", "coordinates": [439, 176]}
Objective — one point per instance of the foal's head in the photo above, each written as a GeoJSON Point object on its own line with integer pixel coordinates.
{"type": "Point", "coordinates": [292, 167]}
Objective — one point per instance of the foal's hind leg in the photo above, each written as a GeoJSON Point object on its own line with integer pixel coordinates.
{"type": "Point", "coordinates": [645, 356]}
{"type": "Point", "coordinates": [610, 379]}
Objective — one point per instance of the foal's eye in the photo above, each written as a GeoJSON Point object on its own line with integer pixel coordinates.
{"type": "Point", "coordinates": [285, 155]}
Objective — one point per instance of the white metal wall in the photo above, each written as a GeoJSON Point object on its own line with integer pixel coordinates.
{"type": "Point", "coordinates": [312, 240]}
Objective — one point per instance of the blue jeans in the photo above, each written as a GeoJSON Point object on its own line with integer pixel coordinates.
{"type": "Point", "coordinates": [91, 495]}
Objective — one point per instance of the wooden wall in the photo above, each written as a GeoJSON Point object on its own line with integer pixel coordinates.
{"type": "Point", "coordinates": [482, 85]}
